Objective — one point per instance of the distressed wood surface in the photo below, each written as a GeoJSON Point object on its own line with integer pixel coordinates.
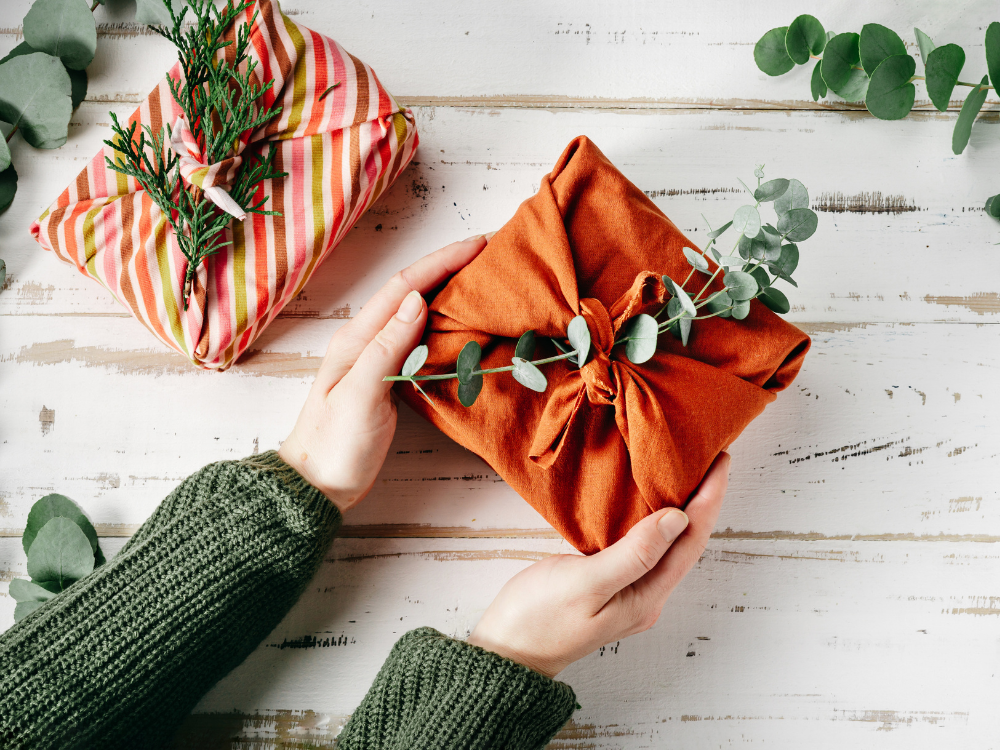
{"type": "Point", "coordinates": [849, 596]}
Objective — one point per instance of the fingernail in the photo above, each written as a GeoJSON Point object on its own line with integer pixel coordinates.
{"type": "Point", "coordinates": [672, 523]}
{"type": "Point", "coordinates": [410, 308]}
{"type": "Point", "coordinates": [473, 237]}
{"type": "Point", "coordinates": [489, 236]}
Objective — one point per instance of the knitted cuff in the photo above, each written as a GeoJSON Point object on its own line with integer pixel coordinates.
{"type": "Point", "coordinates": [288, 479]}
{"type": "Point", "coordinates": [434, 692]}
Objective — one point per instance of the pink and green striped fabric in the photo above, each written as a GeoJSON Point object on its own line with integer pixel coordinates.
{"type": "Point", "coordinates": [341, 151]}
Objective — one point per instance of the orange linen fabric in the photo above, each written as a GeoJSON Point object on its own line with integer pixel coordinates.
{"type": "Point", "coordinates": [607, 444]}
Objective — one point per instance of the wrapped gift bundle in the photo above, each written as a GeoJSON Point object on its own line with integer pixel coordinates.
{"type": "Point", "coordinates": [610, 442]}
{"type": "Point", "coordinates": [340, 138]}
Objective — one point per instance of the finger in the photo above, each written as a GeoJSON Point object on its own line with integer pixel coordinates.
{"type": "Point", "coordinates": [386, 353]}
{"type": "Point", "coordinates": [703, 511]}
{"type": "Point", "coordinates": [635, 554]}
{"type": "Point", "coordinates": [422, 276]}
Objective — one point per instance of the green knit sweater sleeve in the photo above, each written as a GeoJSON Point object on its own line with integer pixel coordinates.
{"type": "Point", "coordinates": [437, 693]}
{"type": "Point", "coordinates": [122, 656]}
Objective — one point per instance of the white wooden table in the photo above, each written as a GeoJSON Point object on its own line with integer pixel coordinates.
{"type": "Point", "coordinates": [850, 596]}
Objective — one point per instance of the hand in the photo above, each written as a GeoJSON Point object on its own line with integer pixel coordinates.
{"type": "Point", "coordinates": [344, 430]}
{"type": "Point", "coordinates": [562, 608]}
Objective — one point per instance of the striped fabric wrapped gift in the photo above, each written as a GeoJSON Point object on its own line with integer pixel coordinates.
{"type": "Point", "coordinates": [341, 151]}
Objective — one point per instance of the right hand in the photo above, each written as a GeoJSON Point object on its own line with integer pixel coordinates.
{"type": "Point", "coordinates": [562, 608]}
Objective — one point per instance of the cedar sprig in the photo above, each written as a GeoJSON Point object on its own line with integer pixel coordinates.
{"type": "Point", "coordinates": [759, 252]}
{"type": "Point", "coordinates": [219, 103]}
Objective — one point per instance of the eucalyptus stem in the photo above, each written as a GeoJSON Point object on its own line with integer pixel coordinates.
{"type": "Point", "coordinates": [11, 133]}
{"type": "Point", "coordinates": [452, 375]}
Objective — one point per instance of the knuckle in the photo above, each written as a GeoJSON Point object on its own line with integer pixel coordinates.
{"type": "Point", "coordinates": [645, 554]}
{"type": "Point", "coordinates": [385, 343]}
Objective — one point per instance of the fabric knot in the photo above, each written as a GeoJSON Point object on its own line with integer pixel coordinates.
{"type": "Point", "coordinates": [596, 373]}
{"type": "Point", "coordinates": [210, 178]}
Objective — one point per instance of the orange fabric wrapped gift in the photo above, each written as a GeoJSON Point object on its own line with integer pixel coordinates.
{"type": "Point", "coordinates": [611, 442]}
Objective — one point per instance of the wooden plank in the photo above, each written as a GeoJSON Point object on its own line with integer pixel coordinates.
{"type": "Point", "coordinates": [915, 200]}
{"type": "Point", "coordinates": [582, 53]}
{"type": "Point", "coordinates": [875, 438]}
{"type": "Point", "coordinates": [768, 641]}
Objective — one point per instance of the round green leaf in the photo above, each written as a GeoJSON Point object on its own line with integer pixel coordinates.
{"type": "Point", "coordinates": [717, 232]}
{"type": "Point", "coordinates": [770, 190]}
{"type": "Point", "coordinates": [525, 348]}
{"type": "Point", "coordinates": [943, 66]}
{"type": "Point", "coordinates": [640, 334]}
{"type": "Point", "coordinates": [805, 36]}
{"type": "Point", "coordinates": [841, 55]}
{"type": "Point", "coordinates": [763, 280]}
{"type": "Point", "coordinates": [970, 109]}
{"type": "Point", "coordinates": [775, 300]}
{"type": "Point", "coordinates": [817, 85]}
{"type": "Point", "coordinates": [63, 28]}
{"type": "Point", "coordinates": [528, 375]}
{"type": "Point", "coordinates": [561, 346]}
{"type": "Point", "coordinates": [579, 338]}
{"type": "Point", "coordinates": [78, 86]}
{"type": "Point", "coordinates": [35, 95]}
{"type": "Point", "coordinates": [771, 240]}
{"type": "Point", "coordinates": [745, 246]}
{"type": "Point", "coordinates": [56, 506]}
{"type": "Point", "coordinates": [747, 221]}
{"type": "Point", "coordinates": [8, 187]}
{"type": "Point", "coordinates": [415, 361]}
{"type": "Point", "coordinates": [795, 197]}
{"type": "Point", "coordinates": [155, 13]}
{"type": "Point", "coordinates": [856, 88]}
{"type": "Point", "coordinates": [23, 609]}
{"type": "Point", "coordinates": [680, 295]}
{"type": "Point", "coordinates": [4, 153]}
{"type": "Point", "coordinates": [770, 53]}
{"type": "Point", "coordinates": [925, 44]}
{"type": "Point", "coordinates": [719, 304]}
{"type": "Point", "coordinates": [992, 209]}
{"type": "Point", "coordinates": [993, 52]}
{"type": "Point", "coordinates": [740, 285]}
{"type": "Point", "coordinates": [61, 553]}
{"type": "Point", "coordinates": [697, 260]}
{"type": "Point", "coordinates": [788, 261]}
{"type": "Point", "coordinates": [3, 266]}
{"type": "Point", "coordinates": [741, 309]}
{"type": "Point", "coordinates": [468, 392]}
{"type": "Point", "coordinates": [890, 93]}
{"type": "Point", "coordinates": [468, 360]}
{"type": "Point", "coordinates": [682, 328]}
{"type": "Point", "coordinates": [878, 43]}
{"type": "Point", "coordinates": [798, 224]}
{"type": "Point", "coordinates": [22, 49]}
{"type": "Point", "coordinates": [26, 591]}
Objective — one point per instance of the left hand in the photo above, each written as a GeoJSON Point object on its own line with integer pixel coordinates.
{"type": "Point", "coordinates": [344, 430]}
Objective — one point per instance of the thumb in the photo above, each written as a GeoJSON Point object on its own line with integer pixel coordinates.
{"type": "Point", "coordinates": [635, 554]}
{"type": "Point", "coordinates": [385, 354]}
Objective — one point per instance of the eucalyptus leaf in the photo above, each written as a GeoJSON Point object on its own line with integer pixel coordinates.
{"type": "Point", "coordinates": [798, 224]}
{"type": "Point", "coordinates": [684, 329]}
{"type": "Point", "coordinates": [775, 300]}
{"type": "Point", "coordinates": [579, 338]}
{"type": "Point", "coordinates": [525, 348]}
{"type": "Point", "coordinates": [770, 53]}
{"type": "Point", "coordinates": [856, 88]}
{"type": "Point", "coordinates": [561, 346]}
{"type": "Point", "coordinates": [4, 153]}
{"type": "Point", "coordinates": [740, 285]}
{"type": "Point", "coordinates": [924, 43]}
{"type": "Point", "coordinates": [747, 221]}
{"type": "Point", "coordinates": [796, 196]}
{"type": "Point", "coordinates": [745, 246]}
{"type": "Point", "coordinates": [154, 12]}
{"type": "Point", "coordinates": [890, 93]}
{"type": "Point", "coordinates": [61, 553]}
{"type": "Point", "coordinates": [63, 28]}
{"type": "Point", "coordinates": [697, 260]}
{"type": "Point", "coordinates": [718, 232]}
{"type": "Point", "coordinates": [530, 376]}
{"type": "Point", "coordinates": [415, 361]}
{"type": "Point", "coordinates": [78, 86]}
{"type": "Point", "coordinates": [942, 68]}
{"type": "Point", "coordinates": [805, 36]}
{"type": "Point", "coordinates": [3, 272]}
{"type": "Point", "coordinates": [680, 295]}
{"type": "Point", "coordinates": [841, 55]}
{"type": "Point", "coordinates": [21, 49]}
{"type": "Point", "coordinates": [716, 255]}
{"type": "Point", "coordinates": [770, 190]}
{"type": "Point", "coordinates": [468, 392]}
{"type": "Point", "coordinates": [992, 207]}
{"type": "Point", "coordinates": [817, 85]}
{"type": "Point", "coordinates": [23, 609]}
{"type": "Point", "coordinates": [35, 95]}
{"type": "Point", "coordinates": [741, 309]}
{"type": "Point", "coordinates": [731, 261]}
{"type": "Point", "coordinates": [56, 506]}
{"type": "Point", "coordinates": [719, 304]}
{"type": "Point", "coordinates": [877, 44]}
{"type": "Point", "coordinates": [26, 591]}
{"type": "Point", "coordinates": [970, 110]}
{"type": "Point", "coordinates": [788, 261]}
{"type": "Point", "coordinates": [468, 360]}
{"type": "Point", "coordinates": [993, 52]}
{"type": "Point", "coordinates": [641, 333]}
{"type": "Point", "coordinates": [763, 280]}
{"type": "Point", "coordinates": [8, 187]}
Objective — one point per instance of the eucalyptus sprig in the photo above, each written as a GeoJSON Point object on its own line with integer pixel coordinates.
{"type": "Point", "coordinates": [761, 255]}
{"type": "Point", "coordinates": [61, 545]}
{"type": "Point", "coordinates": [874, 67]}
{"type": "Point", "coordinates": [220, 104]}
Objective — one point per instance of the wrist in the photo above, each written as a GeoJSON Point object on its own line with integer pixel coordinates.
{"type": "Point", "coordinates": [500, 648]}
{"type": "Point", "coordinates": [293, 454]}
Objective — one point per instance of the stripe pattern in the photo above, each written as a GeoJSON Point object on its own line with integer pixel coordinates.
{"type": "Point", "coordinates": [341, 151]}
